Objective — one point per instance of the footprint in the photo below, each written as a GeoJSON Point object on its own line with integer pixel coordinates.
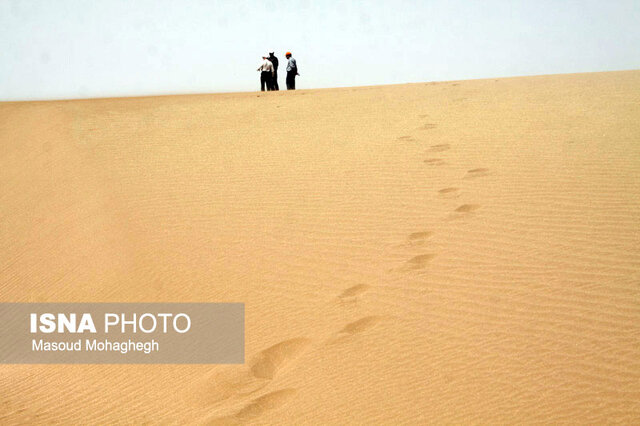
{"type": "Point", "coordinates": [265, 403]}
{"type": "Point", "coordinates": [434, 161]}
{"type": "Point", "coordinates": [256, 408]}
{"type": "Point", "coordinates": [414, 239]}
{"type": "Point", "coordinates": [361, 325]}
{"type": "Point", "coordinates": [268, 362]}
{"type": "Point", "coordinates": [428, 126]}
{"type": "Point", "coordinates": [420, 261]}
{"type": "Point", "coordinates": [354, 291]}
{"type": "Point", "coordinates": [419, 238]}
{"type": "Point", "coordinates": [416, 262]}
{"type": "Point", "coordinates": [231, 382]}
{"type": "Point", "coordinates": [474, 173]}
{"type": "Point", "coordinates": [467, 208]}
{"type": "Point", "coordinates": [439, 148]}
{"type": "Point", "coordinates": [449, 190]}
{"type": "Point", "coordinates": [242, 381]}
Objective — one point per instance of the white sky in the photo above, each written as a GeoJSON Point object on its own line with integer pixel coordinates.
{"type": "Point", "coordinates": [53, 49]}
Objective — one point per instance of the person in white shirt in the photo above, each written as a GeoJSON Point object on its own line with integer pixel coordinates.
{"type": "Point", "coordinates": [266, 74]}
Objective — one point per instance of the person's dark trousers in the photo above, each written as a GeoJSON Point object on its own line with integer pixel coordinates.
{"type": "Point", "coordinates": [274, 82]}
{"type": "Point", "coordinates": [291, 80]}
{"type": "Point", "coordinates": [265, 80]}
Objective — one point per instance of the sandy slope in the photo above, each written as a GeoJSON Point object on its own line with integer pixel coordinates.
{"type": "Point", "coordinates": [445, 252]}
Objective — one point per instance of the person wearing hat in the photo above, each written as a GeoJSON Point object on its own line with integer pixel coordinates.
{"type": "Point", "coordinates": [274, 81]}
{"type": "Point", "coordinates": [266, 73]}
{"type": "Point", "coordinates": [292, 72]}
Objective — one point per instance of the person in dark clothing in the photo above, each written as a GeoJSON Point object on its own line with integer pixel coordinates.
{"type": "Point", "coordinates": [265, 81]}
{"type": "Point", "coordinates": [274, 79]}
{"type": "Point", "coordinates": [292, 72]}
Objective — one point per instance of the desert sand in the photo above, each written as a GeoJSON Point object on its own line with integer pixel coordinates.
{"type": "Point", "coordinates": [446, 252]}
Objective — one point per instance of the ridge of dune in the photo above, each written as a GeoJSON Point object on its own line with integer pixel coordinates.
{"type": "Point", "coordinates": [446, 252]}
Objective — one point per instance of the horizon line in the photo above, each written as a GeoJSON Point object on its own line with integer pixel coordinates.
{"type": "Point", "coordinates": [158, 95]}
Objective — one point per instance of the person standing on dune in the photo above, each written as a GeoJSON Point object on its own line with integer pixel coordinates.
{"type": "Point", "coordinates": [274, 82]}
{"type": "Point", "coordinates": [292, 72]}
{"type": "Point", "coordinates": [266, 74]}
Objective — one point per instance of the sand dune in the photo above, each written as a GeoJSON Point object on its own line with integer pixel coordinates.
{"type": "Point", "coordinates": [453, 252]}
